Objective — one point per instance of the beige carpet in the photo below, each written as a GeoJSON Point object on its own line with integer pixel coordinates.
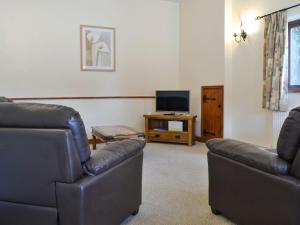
{"type": "Point", "coordinates": [175, 187]}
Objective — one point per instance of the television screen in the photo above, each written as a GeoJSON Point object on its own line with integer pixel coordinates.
{"type": "Point", "coordinates": [173, 101]}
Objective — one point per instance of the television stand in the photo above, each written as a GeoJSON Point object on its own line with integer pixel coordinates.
{"type": "Point", "coordinates": [174, 114]}
{"type": "Point", "coordinates": [156, 128]}
{"type": "Point", "coordinates": [169, 114]}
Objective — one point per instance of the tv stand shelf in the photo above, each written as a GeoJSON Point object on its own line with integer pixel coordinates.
{"type": "Point", "coordinates": [156, 128]}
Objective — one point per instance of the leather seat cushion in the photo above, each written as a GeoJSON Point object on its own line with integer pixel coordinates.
{"type": "Point", "coordinates": [46, 116]}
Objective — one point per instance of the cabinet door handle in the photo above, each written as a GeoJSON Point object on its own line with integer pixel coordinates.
{"type": "Point", "coordinates": [157, 135]}
{"type": "Point", "coordinates": [177, 136]}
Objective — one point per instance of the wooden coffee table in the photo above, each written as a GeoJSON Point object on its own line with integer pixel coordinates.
{"type": "Point", "coordinates": [114, 133]}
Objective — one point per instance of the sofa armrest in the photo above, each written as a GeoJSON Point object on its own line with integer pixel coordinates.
{"type": "Point", "coordinates": [111, 155]}
{"type": "Point", "coordinates": [107, 198]}
{"type": "Point", "coordinates": [252, 155]}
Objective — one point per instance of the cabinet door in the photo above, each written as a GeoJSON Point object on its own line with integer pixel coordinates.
{"type": "Point", "coordinates": [212, 112]}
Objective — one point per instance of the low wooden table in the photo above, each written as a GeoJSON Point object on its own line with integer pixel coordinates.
{"type": "Point", "coordinates": [114, 133]}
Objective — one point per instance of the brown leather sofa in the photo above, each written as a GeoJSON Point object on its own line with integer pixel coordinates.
{"type": "Point", "coordinates": [252, 185]}
{"type": "Point", "coordinates": [49, 176]}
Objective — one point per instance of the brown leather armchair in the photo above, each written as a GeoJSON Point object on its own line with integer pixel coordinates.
{"type": "Point", "coordinates": [49, 176]}
{"type": "Point", "coordinates": [252, 185]}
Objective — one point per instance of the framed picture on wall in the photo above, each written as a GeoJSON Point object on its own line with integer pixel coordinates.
{"type": "Point", "coordinates": [97, 48]}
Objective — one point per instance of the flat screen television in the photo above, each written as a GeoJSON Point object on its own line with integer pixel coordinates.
{"type": "Point", "coordinates": [173, 101]}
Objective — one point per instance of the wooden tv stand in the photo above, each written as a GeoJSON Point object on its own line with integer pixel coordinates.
{"type": "Point", "coordinates": [156, 128]}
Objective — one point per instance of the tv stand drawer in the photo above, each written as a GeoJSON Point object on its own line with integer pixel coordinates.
{"type": "Point", "coordinates": [179, 137]}
{"type": "Point", "coordinates": [158, 136]}
{"type": "Point", "coordinates": [166, 136]}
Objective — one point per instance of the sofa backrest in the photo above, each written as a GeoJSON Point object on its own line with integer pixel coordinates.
{"type": "Point", "coordinates": [289, 138]}
{"type": "Point", "coordinates": [33, 161]}
{"type": "Point", "coordinates": [289, 141]}
{"type": "Point", "coordinates": [46, 116]}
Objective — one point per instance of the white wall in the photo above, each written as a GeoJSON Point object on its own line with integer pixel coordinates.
{"type": "Point", "coordinates": [40, 54]}
{"type": "Point", "coordinates": [202, 53]}
{"type": "Point", "coordinates": [250, 122]}
{"type": "Point", "coordinates": [209, 56]}
{"type": "Point", "coordinates": [228, 71]}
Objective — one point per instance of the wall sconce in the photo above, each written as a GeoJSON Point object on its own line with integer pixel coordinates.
{"type": "Point", "coordinates": [242, 36]}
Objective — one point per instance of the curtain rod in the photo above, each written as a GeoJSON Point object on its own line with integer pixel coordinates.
{"type": "Point", "coordinates": [260, 17]}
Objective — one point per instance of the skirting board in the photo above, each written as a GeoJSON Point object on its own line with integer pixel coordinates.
{"type": "Point", "coordinates": [199, 139]}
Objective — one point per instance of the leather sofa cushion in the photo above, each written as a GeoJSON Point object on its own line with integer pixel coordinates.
{"type": "Point", "coordinates": [111, 155]}
{"type": "Point", "coordinates": [251, 155]}
{"type": "Point", "coordinates": [4, 99]}
{"type": "Point", "coordinates": [289, 138]}
{"type": "Point", "coordinates": [42, 116]}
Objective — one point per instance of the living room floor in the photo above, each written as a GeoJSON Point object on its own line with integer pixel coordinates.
{"type": "Point", "coordinates": [175, 187]}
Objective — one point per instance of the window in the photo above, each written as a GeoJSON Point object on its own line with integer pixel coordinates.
{"type": "Point", "coordinates": [294, 56]}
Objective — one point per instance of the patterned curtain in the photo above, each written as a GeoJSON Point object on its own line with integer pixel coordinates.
{"type": "Point", "coordinates": [275, 83]}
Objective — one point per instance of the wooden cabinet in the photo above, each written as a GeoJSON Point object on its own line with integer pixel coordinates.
{"type": "Point", "coordinates": [156, 128]}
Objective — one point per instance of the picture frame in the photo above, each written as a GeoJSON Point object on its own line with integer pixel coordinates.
{"type": "Point", "coordinates": [98, 48]}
